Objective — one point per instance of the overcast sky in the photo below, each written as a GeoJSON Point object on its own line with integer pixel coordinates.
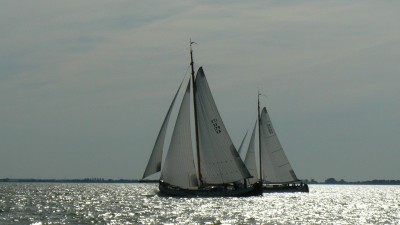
{"type": "Point", "coordinates": [85, 85]}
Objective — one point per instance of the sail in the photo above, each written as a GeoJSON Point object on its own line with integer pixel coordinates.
{"type": "Point", "coordinates": [275, 165]}
{"type": "Point", "coordinates": [219, 160]}
{"type": "Point", "coordinates": [179, 169]}
{"type": "Point", "coordinates": [154, 164]}
{"type": "Point", "coordinates": [250, 159]}
{"type": "Point", "coordinates": [240, 150]}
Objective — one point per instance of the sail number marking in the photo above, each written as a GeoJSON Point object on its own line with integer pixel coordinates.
{"type": "Point", "coordinates": [271, 131]}
{"type": "Point", "coordinates": [217, 127]}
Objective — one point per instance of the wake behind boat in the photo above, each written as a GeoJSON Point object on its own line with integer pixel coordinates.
{"type": "Point", "coordinates": [219, 170]}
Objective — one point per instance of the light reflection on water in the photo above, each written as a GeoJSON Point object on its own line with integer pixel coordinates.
{"type": "Point", "coordinates": [35, 203]}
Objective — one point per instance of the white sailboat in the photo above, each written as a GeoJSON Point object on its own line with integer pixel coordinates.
{"type": "Point", "coordinates": [220, 171]}
{"type": "Point", "coordinates": [275, 170]}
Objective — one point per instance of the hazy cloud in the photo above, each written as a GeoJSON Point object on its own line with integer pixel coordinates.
{"type": "Point", "coordinates": [84, 85]}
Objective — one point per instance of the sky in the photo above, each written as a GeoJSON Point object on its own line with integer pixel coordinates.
{"type": "Point", "coordinates": [85, 85]}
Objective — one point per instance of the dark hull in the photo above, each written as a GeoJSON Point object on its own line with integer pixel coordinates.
{"type": "Point", "coordinates": [285, 188]}
{"type": "Point", "coordinates": [168, 190]}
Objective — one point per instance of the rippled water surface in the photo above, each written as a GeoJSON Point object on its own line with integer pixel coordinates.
{"type": "Point", "coordinates": [44, 203]}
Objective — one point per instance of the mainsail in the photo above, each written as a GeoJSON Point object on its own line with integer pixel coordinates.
{"type": "Point", "coordinates": [275, 165]}
{"type": "Point", "coordinates": [154, 164]}
{"type": "Point", "coordinates": [179, 169]}
{"type": "Point", "coordinates": [220, 162]}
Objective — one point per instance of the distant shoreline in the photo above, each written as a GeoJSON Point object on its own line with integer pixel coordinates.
{"type": "Point", "coordinates": [85, 180]}
{"type": "Point", "coordinates": [101, 180]}
{"type": "Point", "coordinates": [367, 182]}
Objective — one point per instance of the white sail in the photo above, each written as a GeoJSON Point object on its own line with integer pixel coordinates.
{"type": "Point", "coordinates": [179, 169]}
{"type": "Point", "coordinates": [154, 164]}
{"type": "Point", "coordinates": [240, 150]}
{"type": "Point", "coordinates": [219, 161]}
{"type": "Point", "coordinates": [250, 159]}
{"type": "Point", "coordinates": [275, 165]}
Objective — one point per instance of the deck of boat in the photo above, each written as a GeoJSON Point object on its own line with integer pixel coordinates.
{"type": "Point", "coordinates": [271, 188]}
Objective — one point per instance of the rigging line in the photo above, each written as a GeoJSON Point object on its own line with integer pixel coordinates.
{"type": "Point", "coordinates": [280, 149]}
{"type": "Point", "coordinates": [241, 144]}
{"type": "Point", "coordinates": [283, 165]}
{"type": "Point", "coordinates": [187, 69]}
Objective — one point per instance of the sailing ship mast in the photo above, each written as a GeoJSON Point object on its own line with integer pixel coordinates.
{"type": "Point", "coordinates": [195, 115]}
{"type": "Point", "coordinates": [221, 165]}
{"type": "Point", "coordinates": [259, 135]}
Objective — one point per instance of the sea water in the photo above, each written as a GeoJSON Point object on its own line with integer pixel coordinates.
{"type": "Point", "coordinates": [55, 203]}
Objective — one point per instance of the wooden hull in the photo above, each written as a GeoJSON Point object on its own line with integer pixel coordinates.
{"type": "Point", "coordinates": [168, 190]}
{"type": "Point", "coordinates": [272, 188]}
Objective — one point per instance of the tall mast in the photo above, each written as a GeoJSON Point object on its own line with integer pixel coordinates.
{"type": "Point", "coordinates": [195, 114]}
{"type": "Point", "coordinates": [259, 136]}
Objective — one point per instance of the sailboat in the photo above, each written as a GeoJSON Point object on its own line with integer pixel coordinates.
{"type": "Point", "coordinates": [219, 170]}
{"type": "Point", "coordinates": [274, 167]}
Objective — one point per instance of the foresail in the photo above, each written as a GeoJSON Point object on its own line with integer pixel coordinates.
{"type": "Point", "coordinates": [154, 164]}
{"type": "Point", "coordinates": [179, 169]}
{"type": "Point", "coordinates": [275, 165]}
{"type": "Point", "coordinates": [250, 159]}
{"type": "Point", "coordinates": [240, 150]}
{"type": "Point", "coordinates": [219, 160]}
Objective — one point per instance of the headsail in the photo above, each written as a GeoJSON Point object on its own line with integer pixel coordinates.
{"type": "Point", "coordinates": [240, 150]}
{"type": "Point", "coordinates": [250, 159]}
{"type": "Point", "coordinates": [220, 162]}
{"type": "Point", "coordinates": [154, 164]}
{"type": "Point", "coordinates": [275, 165]}
{"type": "Point", "coordinates": [179, 169]}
